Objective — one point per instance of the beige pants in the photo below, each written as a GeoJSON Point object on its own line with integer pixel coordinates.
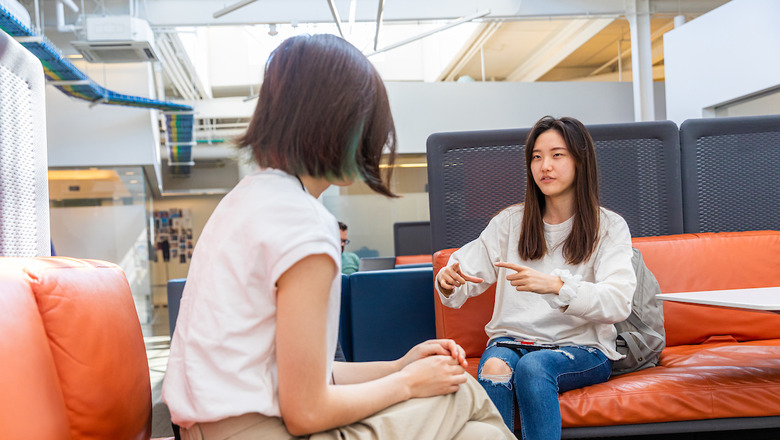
{"type": "Point", "coordinates": [467, 414]}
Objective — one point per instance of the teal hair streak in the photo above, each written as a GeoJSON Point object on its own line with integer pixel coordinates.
{"type": "Point", "coordinates": [349, 168]}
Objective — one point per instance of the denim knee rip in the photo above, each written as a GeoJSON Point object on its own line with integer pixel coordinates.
{"type": "Point", "coordinates": [497, 378]}
{"type": "Point", "coordinates": [565, 353]}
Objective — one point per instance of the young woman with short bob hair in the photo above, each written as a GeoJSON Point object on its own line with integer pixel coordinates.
{"type": "Point", "coordinates": [563, 274]}
{"type": "Point", "coordinates": [252, 355]}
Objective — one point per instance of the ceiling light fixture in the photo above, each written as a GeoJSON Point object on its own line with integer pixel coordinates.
{"type": "Point", "coordinates": [232, 8]}
{"type": "Point", "coordinates": [272, 30]}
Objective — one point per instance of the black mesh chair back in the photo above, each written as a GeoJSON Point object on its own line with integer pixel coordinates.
{"type": "Point", "coordinates": [731, 173]}
{"type": "Point", "coordinates": [473, 175]}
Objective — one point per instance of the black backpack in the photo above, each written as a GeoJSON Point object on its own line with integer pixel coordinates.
{"type": "Point", "coordinates": [641, 337]}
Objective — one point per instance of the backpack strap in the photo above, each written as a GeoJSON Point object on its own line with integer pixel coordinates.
{"type": "Point", "coordinates": [634, 320]}
{"type": "Point", "coordinates": [628, 338]}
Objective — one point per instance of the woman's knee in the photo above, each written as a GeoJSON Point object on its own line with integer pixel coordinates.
{"type": "Point", "coordinates": [496, 369]}
{"type": "Point", "coordinates": [534, 372]}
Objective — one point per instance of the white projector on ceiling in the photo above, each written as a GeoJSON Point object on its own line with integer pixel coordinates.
{"type": "Point", "coordinates": [117, 39]}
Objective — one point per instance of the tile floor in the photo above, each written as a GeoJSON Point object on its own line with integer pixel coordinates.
{"type": "Point", "coordinates": [158, 346]}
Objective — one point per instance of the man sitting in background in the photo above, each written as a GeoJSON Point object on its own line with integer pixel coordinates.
{"type": "Point", "coordinates": [349, 261]}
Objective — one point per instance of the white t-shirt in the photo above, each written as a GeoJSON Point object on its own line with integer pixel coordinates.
{"type": "Point", "coordinates": [223, 353]}
{"type": "Point", "coordinates": [597, 292]}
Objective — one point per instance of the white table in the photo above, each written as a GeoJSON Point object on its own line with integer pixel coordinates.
{"type": "Point", "coordinates": [762, 298]}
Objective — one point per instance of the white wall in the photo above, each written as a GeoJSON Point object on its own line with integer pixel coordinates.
{"type": "Point", "coordinates": [723, 55]}
{"type": "Point", "coordinates": [765, 104]}
{"type": "Point", "coordinates": [420, 109]}
{"type": "Point", "coordinates": [115, 233]}
{"type": "Point", "coordinates": [80, 135]}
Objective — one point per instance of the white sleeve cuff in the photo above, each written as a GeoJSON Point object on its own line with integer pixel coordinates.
{"type": "Point", "coordinates": [567, 293]}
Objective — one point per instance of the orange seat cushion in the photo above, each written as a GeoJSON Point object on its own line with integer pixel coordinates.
{"type": "Point", "coordinates": [413, 259]}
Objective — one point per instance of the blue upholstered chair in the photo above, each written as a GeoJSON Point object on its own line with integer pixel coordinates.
{"type": "Point", "coordinates": [391, 311]}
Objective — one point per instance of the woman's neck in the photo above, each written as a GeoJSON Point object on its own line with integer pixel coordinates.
{"type": "Point", "coordinates": [558, 209]}
{"type": "Point", "coordinates": [315, 186]}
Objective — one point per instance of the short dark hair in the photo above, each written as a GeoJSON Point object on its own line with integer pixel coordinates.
{"type": "Point", "coordinates": [323, 111]}
{"type": "Point", "coordinates": [583, 238]}
{"type": "Point", "coordinates": [342, 226]}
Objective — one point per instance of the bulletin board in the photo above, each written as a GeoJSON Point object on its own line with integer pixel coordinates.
{"type": "Point", "coordinates": [173, 232]}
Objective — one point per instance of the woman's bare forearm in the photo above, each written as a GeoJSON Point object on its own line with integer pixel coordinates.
{"type": "Point", "coordinates": [345, 373]}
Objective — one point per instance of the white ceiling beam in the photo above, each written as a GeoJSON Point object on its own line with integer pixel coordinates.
{"type": "Point", "coordinates": [379, 14]}
{"type": "Point", "coordinates": [173, 69]}
{"type": "Point", "coordinates": [594, 8]}
{"type": "Point", "coordinates": [169, 13]}
{"type": "Point", "coordinates": [336, 18]}
{"type": "Point", "coordinates": [231, 8]}
{"type": "Point", "coordinates": [557, 48]}
{"type": "Point", "coordinates": [200, 83]}
{"type": "Point", "coordinates": [469, 50]}
{"type": "Point", "coordinates": [195, 13]}
{"type": "Point", "coordinates": [431, 32]}
{"type": "Point", "coordinates": [655, 37]}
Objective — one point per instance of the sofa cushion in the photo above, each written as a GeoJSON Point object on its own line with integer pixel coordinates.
{"type": "Point", "coordinates": [718, 380]}
{"type": "Point", "coordinates": [97, 345]}
{"type": "Point", "coordinates": [722, 351]}
{"type": "Point", "coordinates": [31, 402]}
{"type": "Point", "coordinates": [714, 261]}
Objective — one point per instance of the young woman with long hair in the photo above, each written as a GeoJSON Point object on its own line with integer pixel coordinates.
{"type": "Point", "coordinates": [252, 355]}
{"type": "Point", "coordinates": [563, 274]}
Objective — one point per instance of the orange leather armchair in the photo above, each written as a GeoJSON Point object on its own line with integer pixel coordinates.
{"type": "Point", "coordinates": [72, 353]}
{"type": "Point", "coordinates": [720, 365]}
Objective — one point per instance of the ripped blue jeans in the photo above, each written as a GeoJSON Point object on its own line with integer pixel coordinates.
{"type": "Point", "coordinates": [536, 380]}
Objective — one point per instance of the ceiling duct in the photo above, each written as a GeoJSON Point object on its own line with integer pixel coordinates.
{"type": "Point", "coordinates": [117, 39]}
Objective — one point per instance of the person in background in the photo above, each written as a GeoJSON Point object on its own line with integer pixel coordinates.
{"type": "Point", "coordinates": [563, 274]}
{"type": "Point", "coordinates": [350, 262]}
{"type": "Point", "coordinates": [252, 355]}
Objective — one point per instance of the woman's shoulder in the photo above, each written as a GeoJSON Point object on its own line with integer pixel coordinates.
{"type": "Point", "coordinates": [611, 216]}
{"type": "Point", "coordinates": [611, 221]}
{"type": "Point", "coordinates": [272, 199]}
{"type": "Point", "coordinates": [512, 211]}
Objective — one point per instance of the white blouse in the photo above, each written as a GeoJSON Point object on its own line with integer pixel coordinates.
{"type": "Point", "coordinates": [596, 294]}
{"type": "Point", "coordinates": [223, 352]}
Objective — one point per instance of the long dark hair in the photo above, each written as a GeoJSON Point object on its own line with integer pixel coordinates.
{"type": "Point", "coordinates": [583, 238]}
{"type": "Point", "coordinates": [322, 111]}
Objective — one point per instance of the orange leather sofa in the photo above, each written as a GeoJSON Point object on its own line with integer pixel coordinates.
{"type": "Point", "coordinates": [72, 353]}
{"type": "Point", "coordinates": [721, 367]}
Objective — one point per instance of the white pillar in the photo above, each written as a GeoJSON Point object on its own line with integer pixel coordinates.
{"type": "Point", "coordinates": [638, 15]}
